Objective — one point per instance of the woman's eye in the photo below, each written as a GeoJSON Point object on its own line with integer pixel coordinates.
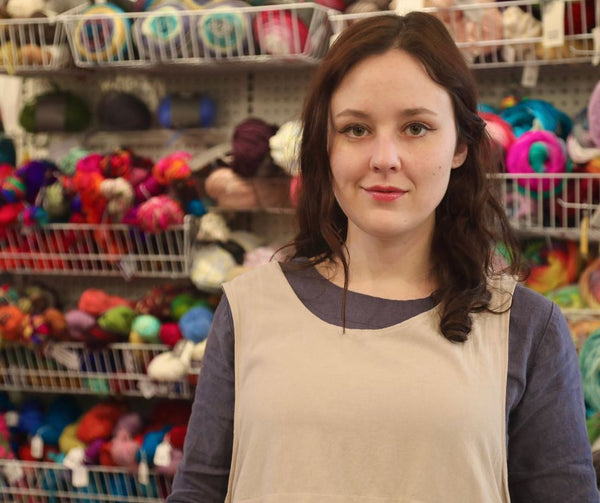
{"type": "Point", "coordinates": [355, 130]}
{"type": "Point", "coordinates": [416, 129]}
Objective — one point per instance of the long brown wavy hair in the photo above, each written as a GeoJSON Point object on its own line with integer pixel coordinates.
{"type": "Point", "coordinates": [469, 220]}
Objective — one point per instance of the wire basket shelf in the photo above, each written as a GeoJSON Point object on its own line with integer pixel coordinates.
{"type": "Point", "coordinates": [292, 33]}
{"type": "Point", "coordinates": [72, 367]}
{"type": "Point", "coordinates": [98, 250]}
{"type": "Point", "coordinates": [34, 45]}
{"type": "Point", "coordinates": [509, 33]}
{"type": "Point", "coordinates": [560, 205]}
{"type": "Point", "coordinates": [44, 482]}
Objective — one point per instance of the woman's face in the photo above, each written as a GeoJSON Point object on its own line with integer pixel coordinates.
{"type": "Point", "coordinates": [392, 144]}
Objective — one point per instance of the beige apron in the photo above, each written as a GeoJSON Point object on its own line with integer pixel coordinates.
{"type": "Point", "coordinates": [398, 414]}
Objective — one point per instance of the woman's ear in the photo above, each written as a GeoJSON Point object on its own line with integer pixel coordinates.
{"type": "Point", "coordinates": [460, 154]}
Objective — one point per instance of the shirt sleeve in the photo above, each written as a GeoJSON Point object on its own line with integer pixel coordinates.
{"type": "Point", "coordinates": [203, 473]}
{"type": "Point", "coordinates": [549, 454]}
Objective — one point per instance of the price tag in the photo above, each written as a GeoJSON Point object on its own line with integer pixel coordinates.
{"type": "Point", "coordinates": [80, 476]}
{"type": "Point", "coordinates": [13, 471]}
{"type": "Point", "coordinates": [68, 358]}
{"type": "Point", "coordinates": [406, 6]}
{"type": "Point", "coordinates": [530, 75]}
{"type": "Point", "coordinates": [37, 447]}
{"type": "Point", "coordinates": [553, 28]}
{"type": "Point", "coordinates": [74, 458]}
{"type": "Point", "coordinates": [596, 35]}
{"type": "Point", "coordinates": [128, 267]}
{"type": "Point", "coordinates": [162, 455]}
{"type": "Point", "coordinates": [11, 418]}
{"type": "Point", "coordinates": [143, 472]}
{"type": "Point", "coordinates": [147, 388]}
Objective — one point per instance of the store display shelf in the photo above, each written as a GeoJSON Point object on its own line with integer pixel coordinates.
{"type": "Point", "coordinates": [98, 250]}
{"type": "Point", "coordinates": [36, 45]}
{"type": "Point", "coordinates": [279, 34]}
{"type": "Point", "coordinates": [74, 368]}
{"type": "Point", "coordinates": [44, 482]}
{"type": "Point", "coordinates": [561, 205]}
{"type": "Point", "coordinates": [510, 33]}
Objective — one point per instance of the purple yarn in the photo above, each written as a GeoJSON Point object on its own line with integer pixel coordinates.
{"type": "Point", "coordinates": [131, 423]}
{"type": "Point", "coordinates": [78, 323]}
{"type": "Point", "coordinates": [92, 451]}
{"type": "Point", "coordinates": [251, 145]}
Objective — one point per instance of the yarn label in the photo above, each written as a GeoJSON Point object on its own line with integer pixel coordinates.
{"type": "Point", "coordinates": [147, 388]}
{"type": "Point", "coordinates": [553, 28]}
{"type": "Point", "coordinates": [596, 35]}
{"type": "Point", "coordinates": [406, 6]}
{"type": "Point", "coordinates": [11, 418]}
{"type": "Point", "coordinates": [530, 75]}
{"type": "Point", "coordinates": [80, 476]}
{"type": "Point", "coordinates": [162, 455]}
{"type": "Point", "coordinates": [13, 471]}
{"type": "Point", "coordinates": [64, 356]}
{"type": "Point", "coordinates": [37, 447]}
{"type": "Point", "coordinates": [143, 472]}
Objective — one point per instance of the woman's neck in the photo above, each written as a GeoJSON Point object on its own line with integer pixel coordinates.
{"type": "Point", "coordinates": [398, 273]}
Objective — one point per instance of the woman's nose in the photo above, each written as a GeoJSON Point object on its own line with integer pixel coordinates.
{"type": "Point", "coordinates": [386, 153]}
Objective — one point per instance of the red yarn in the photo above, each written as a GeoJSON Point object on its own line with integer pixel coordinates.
{"type": "Point", "coordinates": [170, 333]}
{"type": "Point", "coordinates": [95, 302]}
{"type": "Point", "coordinates": [98, 422]}
{"type": "Point", "coordinates": [177, 436]}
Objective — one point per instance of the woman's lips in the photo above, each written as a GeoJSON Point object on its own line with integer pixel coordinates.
{"type": "Point", "coordinates": [384, 193]}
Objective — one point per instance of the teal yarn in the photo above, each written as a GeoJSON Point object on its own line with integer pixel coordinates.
{"type": "Point", "coordinates": [531, 114]}
{"type": "Point", "coordinates": [589, 364]}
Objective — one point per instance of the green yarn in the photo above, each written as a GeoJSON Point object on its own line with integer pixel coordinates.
{"type": "Point", "coordinates": [183, 302]}
{"type": "Point", "coordinates": [68, 163]}
{"type": "Point", "coordinates": [538, 155]}
{"type": "Point", "coordinates": [117, 320]}
{"type": "Point", "coordinates": [77, 115]}
{"type": "Point", "coordinates": [55, 203]}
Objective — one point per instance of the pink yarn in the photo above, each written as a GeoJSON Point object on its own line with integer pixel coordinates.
{"type": "Point", "coordinates": [150, 187]}
{"type": "Point", "coordinates": [159, 213]}
{"type": "Point", "coordinates": [500, 130]}
{"type": "Point", "coordinates": [594, 115]}
{"type": "Point", "coordinates": [279, 33]}
{"type": "Point", "coordinates": [231, 190]}
{"type": "Point", "coordinates": [170, 334]}
{"type": "Point", "coordinates": [172, 167]}
{"type": "Point", "coordinates": [518, 159]}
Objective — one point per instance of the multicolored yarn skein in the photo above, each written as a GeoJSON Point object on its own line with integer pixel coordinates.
{"type": "Point", "coordinates": [101, 35]}
{"type": "Point", "coordinates": [552, 265]}
{"type": "Point", "coordinates": [538, 152]}
{"type": "Point", "coordinates": [223, 29]}
{"type": "Point", "coordinates": [589, 284]}
{"type": "Point", "coordinates": [530, 114]}
{"type": "Point", "coordinates": [159, 213]}
{"type": "Point", "coordinates": [163, 33]}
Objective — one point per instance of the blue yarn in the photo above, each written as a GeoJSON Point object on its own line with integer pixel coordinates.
{"type": "Point", "coordinates": [31, 418]}
{"type": "Point", "coordinates": [63, 411]}
{"type": "Point", "coordinates": [484, 107]}
{"type": "Point", "coordinates": [196, 323]}
{"type": "Point", "coordinates": [521, 117]}
{"type": "Point", "coordinates": [207, 112]}
{"type": "Point", "coordinates": [195, 207]}
{"type": "Point", "coordinates": [589, 364]}
{"type": "Point", "coordinates": [150, 443]}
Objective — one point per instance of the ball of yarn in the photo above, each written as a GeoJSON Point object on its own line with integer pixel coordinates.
{"type": "Point", "coordinates": [500, 130]}
{"type": "Point", "coordinates": [55, 203]}
{"type": "Point", "coordinates": [120, 111]}
{"type": "Point", "coordinates": [163, 32]}
{"type": "Point", "coordinates": [210, 267]}
{"type": "Point", "coordinates": [594, 115]}
{"type": "Point", "coordinates": [98, 422]}
{"type": "Point", "coordinates": [78, 323]}
{"type": "Point", "coordinates": [551, 266]}
{"type": "Point", "coordinates": [195, 324]}
{"type": "Point", "coordinates": [147, 189]}
{"type": "Point", "coordinates": [250, 145]}
{"type": "Point", "coordinates": [11, 323]}
{"type": "Point", "coordinates": [159, 213]}
{"type": "Point", "coordinates": [119, 195]}
{"type": "Point", "coordinates": [68, 438]}
{"type": "Point", "coordinates": [223, 29]}
{"type": "Point", "coordinates": [55, 111]}
{"type": "Point", "coordinates": [186, 112]}
{"type": "Point", "coordinates": [146, 328]}
{"type": "Point", "coordinates": [230, 190]}
{"type": "Point", "coordinates": [172, 167]}
{"type": "Point", "coordinates": [280, 32]}
{"type": "Point", "coordinates": [531, 114]}
{"type": "Point", "coordinates": [101, 34]}
{"type": "Point", "coordinates": [538, 152]}
{"type": "Point", "coordinates": [13, 189]}
{"type": "Point", "coordinates": [95, 301]}
{"type": "Point", "coordinates": [117, 320]}
{"type": "Point", "coordinates": [170, 334]}
{"type": "Point", "coordinates": [284, 146]}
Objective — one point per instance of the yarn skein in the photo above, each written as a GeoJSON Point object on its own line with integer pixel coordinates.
{"type": "Point", "coordinates": [250, 145]}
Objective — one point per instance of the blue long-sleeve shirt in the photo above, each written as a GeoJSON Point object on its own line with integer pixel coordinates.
{"type": "Point", "coordinates": [549, 457]}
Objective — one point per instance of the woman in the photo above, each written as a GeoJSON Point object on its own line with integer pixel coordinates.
{"type": "Point", "coordinates": [388, 360]}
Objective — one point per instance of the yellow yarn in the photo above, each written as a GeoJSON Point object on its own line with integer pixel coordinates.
{"type": "Point", "coordinates": [68, 438]}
